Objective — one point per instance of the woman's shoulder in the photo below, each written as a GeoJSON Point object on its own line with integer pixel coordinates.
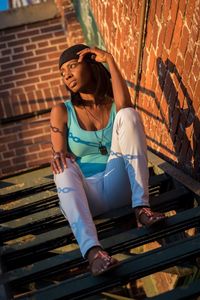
{"type": "Point", "coordinates": [59, 110]}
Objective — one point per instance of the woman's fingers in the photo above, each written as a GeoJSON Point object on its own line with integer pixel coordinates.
{"type": "Point", "coordinates": [63, 159]}
{"type": "Point", "coordinates": [54, 167]}
{"type": "Point", "coordinates": [97, 54]}
{"type": "Point", "coordinates": [59, 161]}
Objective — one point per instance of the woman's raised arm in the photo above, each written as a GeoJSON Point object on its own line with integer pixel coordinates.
{"type": "Point", "coordinates": [120, 90]}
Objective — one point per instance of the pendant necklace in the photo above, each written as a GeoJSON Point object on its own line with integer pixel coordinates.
{"type": "Point", "coordinates": [102, 148]}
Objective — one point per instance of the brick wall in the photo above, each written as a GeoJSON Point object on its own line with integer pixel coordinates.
{"type": "Point", "coordinates": [30, 82]}
{"type": "Point", "coordinates": [169, 87]}
{"type": "Point", "coordinates": [168, 97]}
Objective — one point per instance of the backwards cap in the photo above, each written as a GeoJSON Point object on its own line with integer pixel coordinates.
{"type": "Point", "coordinates": [71, 53]}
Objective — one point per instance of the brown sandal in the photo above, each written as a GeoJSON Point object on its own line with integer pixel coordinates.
{"type": "Point", "coordinates": [109, 261]}
{"type": "Point", "coordinates": [146, 217]}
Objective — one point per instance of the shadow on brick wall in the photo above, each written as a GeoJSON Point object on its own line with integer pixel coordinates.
{"type": "Point", "coordinates": [183, 124]}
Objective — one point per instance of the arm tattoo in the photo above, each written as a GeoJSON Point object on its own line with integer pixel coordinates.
{"type": "Point", "coordinates": [55, 129]}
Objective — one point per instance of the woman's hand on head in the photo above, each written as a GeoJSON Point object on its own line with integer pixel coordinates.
{"type": "Point", "coordinates": [98, 55]}
{"type": "Point", "coordinates": [59, 162]}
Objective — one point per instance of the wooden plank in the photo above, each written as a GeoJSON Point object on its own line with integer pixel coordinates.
{"type": "Point", "coordinates": [26, 210]}
{"type": "Point", "coordinates": [162, 202]}
{"type": "Point", "coordinates": [131, 269]}
{"type": "Point", "coordinates": [25, 192]}
{"type": "Point", "coordinates": [4, 290]}
{"type": "Point", "coordinates": [180, 293]}
{"type": "Point", "coordinates": [45, 238]}
{"type": "Point", "coordinates": [174, 172]}
{"type": "Point", "coordinates": [38, 201]}
{"type": "Point", "coordinates": [121, 242]}
{"type": "Point", "coordinates": [17, 183]}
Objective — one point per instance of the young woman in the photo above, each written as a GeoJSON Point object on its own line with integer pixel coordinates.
{"type": "Point", "coordinates": [99, 149]}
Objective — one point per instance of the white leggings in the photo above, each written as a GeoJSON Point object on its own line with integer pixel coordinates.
{"type": "Point", "coordinates": [124, 181]}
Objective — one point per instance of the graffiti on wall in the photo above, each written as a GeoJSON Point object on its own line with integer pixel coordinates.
{"type": "Point", "coordinates": [20, 3]}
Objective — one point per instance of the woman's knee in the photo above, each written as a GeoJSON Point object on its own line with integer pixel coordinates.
{"type": "Point", "coordinates": [71, 170]}
{"type": "Point", "coordinates": [128, 114]}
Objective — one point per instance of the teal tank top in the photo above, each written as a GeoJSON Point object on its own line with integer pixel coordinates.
{"type": "Point", "coordinates": [84, 144]}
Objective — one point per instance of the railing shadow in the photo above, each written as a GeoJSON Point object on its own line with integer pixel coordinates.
{"type": "Point", "coordinates": [180, 117]}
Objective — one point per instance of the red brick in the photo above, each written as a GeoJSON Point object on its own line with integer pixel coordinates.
{"type": "Point", "coordinates": [184, 41]}
{"type": "Point", "coordinates": [45, 154]}
{"type": "Point", "coordinates": [17, 91]}
{"type": "Point", "coordinates": [28, 33]}
{"type": "Point", "coordinates": [39, 162]}
{"type": "Point", "coordinates": [177, 30]}
{"type": "Point", "coordinates": [14, 77]}
{"type": "Point", "coordinates": [8, 37]}
{"type": "Point", "coordinates": [174, 8]}
{"type": "Point", "coordinates": [35, 59]}
{"type": "Point", "coordinates": [42, 140]}
{"type": "Point", "coordinates": [58, 41]}
{"type": "Point", "coordinates": [43, 44]}
{"type": "Point", "coordinates": [46, 50]}
{"type": "Point", "coordinates": [42, 37]}
{"type": "Point", "coordinates": [189, 12]}
{"type": "Point", "coordinates": [30, 88]}
{"type": "Point", "coordinates": [51, 28]}
{"type": "Point", "coordinates": [55, 82]}
{"type": "Point", "coordinates": [188, 62]}
{"type": "Point", "coordinates": [50, 76]}
{"type": "Point", "coordinates": [3, 148]}
{"type": "Point", "coordinates": [8, 154]}
{"type": "Point", "coordinates": [182, 6]}
{"type": "Point", "coordinates": [195, 69]}
{"type": "Point", "coordinates": [48, 63]}
{"type": "Point", "coordinates": [32, 101]}
{"type": "Point", "coordinates": [6, 73]}
{"type": "Point", "coordinates": [166, 8]}
{"type": "Point", "coordinates": [7, 51]}
{"type": "Point", "coordinates": [18, 42]}
{"type": "Point", "coordinates": [16, 106]}
{"type": "Point", "coordinates": [19, 144]}
{"type": "Point", "coordinates": [31, 47]}
{"type": "Point", "coordinates": [40, 100]}
{"type": "Point", "coordinates": [159, 9]}
{"type": "Point", "coordinates": [23, 101]}
{"type": "Point", "coordinates": [30, 133]}
{"type": "Point", "coordinates": [22, 55]}
{"type": "Point", "coordinates": [25, 68]}
{"type": "Point", "coordinates": [11, 170]}
{"type": "Point", "coordinates": [4, 163]}
{"type": "Point", "coordinates": [42, 85]}
{"type": "Point", "coordinates": [6, 86]}
{"type": "Point", "coordinates": [155, 35]}
{"type": "Point", "coordinates": [161, 39]}
{"type": "Point", "coordinates": [2, 46]}
{"type": "Point", "coordinates": [54, 55]}
{"type": "Point", "coordinates": [27, 81]}
{"type": "Point", "coordinates": [62, 47]}
{"type": "Point", "coordinates": [169, 34]}
{"type": "Point", "coordinates": [192, 82]}
{"type": "Point", "coordinates": [10, 137]}
{"type": "Point", "coordinates": [20, 159]}
{"type": "Point", "coordinates": [11, 65]}
{"type": "Point", "coordinates": [18, 49]}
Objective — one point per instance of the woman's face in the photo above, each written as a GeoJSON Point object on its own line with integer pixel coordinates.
{"type": "Point", "coordinates": [77, 76]}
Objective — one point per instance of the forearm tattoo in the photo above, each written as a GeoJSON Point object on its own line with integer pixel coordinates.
{"type": "Point", "coordinates": [53, 151]}
{"type": "Point", "coordinates": [55, 129]}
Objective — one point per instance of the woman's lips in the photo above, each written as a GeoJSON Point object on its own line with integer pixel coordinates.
{"type": "Point", "coordinates": [72, 84]}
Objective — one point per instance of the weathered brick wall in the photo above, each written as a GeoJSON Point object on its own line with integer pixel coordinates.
{"type": "Point", "coordinates": [169, 88]}
{"type": "Point", "coordinates": [30, 82]}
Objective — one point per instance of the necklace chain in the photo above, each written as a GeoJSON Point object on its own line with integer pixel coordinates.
{"type": "Point", "coordinates": [102, 148]}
